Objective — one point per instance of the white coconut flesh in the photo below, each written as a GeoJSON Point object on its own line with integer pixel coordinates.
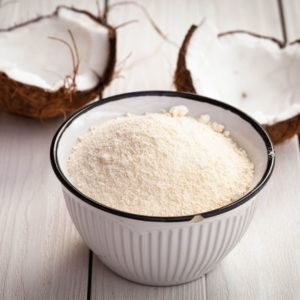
{"type": "Point", "coordinates": [28, 55]}
{"type": "Point", "coordinates": [251, 73]}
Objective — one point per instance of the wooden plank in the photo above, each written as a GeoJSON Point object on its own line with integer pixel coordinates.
{"type": "Point", "coordinates": [291, 9]}
{"type": "Point", "coordinates": [151, 65]}
{"type": "Point", "coordinates": [15, 12]}
{"type": "Point", "coordinates": [41, 255]}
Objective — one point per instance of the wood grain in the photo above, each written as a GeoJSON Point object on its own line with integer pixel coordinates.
{"type": "Point", "coordinates": [41, 255]}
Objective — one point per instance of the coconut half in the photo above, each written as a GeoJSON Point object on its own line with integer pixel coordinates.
{"type": "Point", "coordinates": [54, 64]}
{"type": "Point", "coordinates": [258, 74]}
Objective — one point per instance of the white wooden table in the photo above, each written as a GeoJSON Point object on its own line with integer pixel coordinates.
{"type": "Point", "coordinates": [43, 257]}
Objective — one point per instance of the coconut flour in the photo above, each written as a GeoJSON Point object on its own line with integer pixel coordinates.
{"type": "Point", "coordinates": [160, 164]}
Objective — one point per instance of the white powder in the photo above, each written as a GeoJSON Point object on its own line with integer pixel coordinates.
{"type": "Point", "coordinates": [160, 164]}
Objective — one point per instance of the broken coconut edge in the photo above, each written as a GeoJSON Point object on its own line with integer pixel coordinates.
{"type": "Point", "coordinates": [32, 101]}
{"type": "Point", "coordinates": [279, 132]}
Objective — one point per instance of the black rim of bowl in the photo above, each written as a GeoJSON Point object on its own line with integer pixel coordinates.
{"type": "Point", "coordinates": [68, 185]}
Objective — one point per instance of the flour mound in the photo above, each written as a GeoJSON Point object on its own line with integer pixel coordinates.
{"type": "Point", "coordinates": [160, 164]}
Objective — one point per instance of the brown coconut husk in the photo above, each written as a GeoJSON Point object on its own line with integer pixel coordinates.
{"type": "Point", "coordinates": [284, 130]}
{"type": "Point", "coordinates": [183, 79]}
{"type": "Point", "coordinates": [31, 101]}
{"type": "Point", "coordinates": [279, 132]}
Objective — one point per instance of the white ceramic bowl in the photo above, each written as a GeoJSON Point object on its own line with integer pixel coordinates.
{"type": "Point", "coordinates": [162, 250]}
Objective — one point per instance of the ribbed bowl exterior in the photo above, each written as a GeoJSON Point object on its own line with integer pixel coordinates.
{"type": "Point", "coordinates": [159, 253]}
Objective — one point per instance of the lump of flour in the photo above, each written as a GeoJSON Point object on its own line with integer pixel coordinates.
{"type": "Point", "coordinates": [160, 164]}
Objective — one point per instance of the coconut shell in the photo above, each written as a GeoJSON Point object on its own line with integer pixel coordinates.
{"type": "Point", "coordinates": [32, 101]}
{"type": "Point", "coordinates": [284, 130]}
{"type": "Point", "coordinates": [183, 79]}
{"type": "Point", "coordinates": [279, 132]}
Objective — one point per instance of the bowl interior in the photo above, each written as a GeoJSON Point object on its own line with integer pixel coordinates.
{"type": "Point", "coordinates": [242, 131]}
